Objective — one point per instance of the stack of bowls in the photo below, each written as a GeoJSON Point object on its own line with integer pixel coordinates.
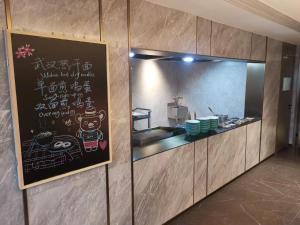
{"type": "Point", "coordinates": [192, 127]}
{"type": "Point", "coordinates": [214, 122]}
{"type": "Point", "coordinates": [204, 124]}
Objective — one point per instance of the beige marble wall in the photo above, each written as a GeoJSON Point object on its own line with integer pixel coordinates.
{"type": "Point", "coordinates": [258, 47]}
{"type": "Point", "coordinates": [156, 27]}
{"type": "Point", "coordinates": [163, 185]}
{"type": "Point", "coordinates": [11, 197]}
{"type": "Point", "coordinates": [114, 31]}
{"type": "Point", "coordinates": [203, 36]}
{"type": "Point", "coordinates": [271, 98]}
{"type": "Point", "coordinates": [230, 42]}
{"type": "Point", "coordinates": [78, 19]}
{"type": "Point", "coordinates": [200, 171]}
{"type": "Point", "coordinates": [79, 199]}
{"type": "Point", "coordinates": [226, 157]}
{"type": "Point", "coordinates": [253, 144]}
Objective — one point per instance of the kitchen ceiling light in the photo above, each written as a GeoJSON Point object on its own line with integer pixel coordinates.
{"type": "Point", "coordinates": [131, 54]}
{"type": "Point", "coordinates": [188, 59]}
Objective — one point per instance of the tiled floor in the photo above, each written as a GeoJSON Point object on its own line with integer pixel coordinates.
{"type": "Point", "coordinates": [269, 194]}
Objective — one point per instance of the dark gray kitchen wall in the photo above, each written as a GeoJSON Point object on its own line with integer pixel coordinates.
{"type": "Point", "coordinates": [220, 85]}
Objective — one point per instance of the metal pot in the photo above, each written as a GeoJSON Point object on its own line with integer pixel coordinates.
{"type": "Point", "coordinates": [222, 118]}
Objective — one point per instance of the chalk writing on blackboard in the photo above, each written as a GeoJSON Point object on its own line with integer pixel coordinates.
{"type": "Point", "coordinates": [63, 119]}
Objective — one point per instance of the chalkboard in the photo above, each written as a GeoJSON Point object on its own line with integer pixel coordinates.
{"type": "Point", "coordinates": [60, 104]}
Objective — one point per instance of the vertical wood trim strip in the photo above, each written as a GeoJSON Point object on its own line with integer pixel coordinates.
{"type": "Point", "coordinates": [196, 34]}
{"type": "Point", "coordinates": [130, 110]}
{"type": "Point", "coordinates": [8, 14]}
{"type": "Point", "coordinates": [207, 142]}
{"type": "Point", "coordinates": [211, 30]}
{"type": "Point", "coordinates": [245, 168]}
{"type": "Point", "coordinates": [194, 171]}
{"type": "Point", "coordinates": [251, 44]}
{"type": "Point", "coordinates": [100, 19]}
{"type": "Point", "coordinates": [25, 205]}
{"type": "Point", "coordinates": [107, 196]}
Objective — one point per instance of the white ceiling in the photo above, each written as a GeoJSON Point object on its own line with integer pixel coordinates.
{"type": "Point", "coordinates": [226, 13]}
{"type": "Point", "coordinates": [287, 7]}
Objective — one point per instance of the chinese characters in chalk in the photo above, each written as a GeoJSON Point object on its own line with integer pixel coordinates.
{"type": "Point", "coordinates": [64, 87]}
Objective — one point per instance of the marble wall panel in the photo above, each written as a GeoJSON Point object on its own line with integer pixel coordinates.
{"type": "Point", "coordinates": [226, 157]}
{"type": "Point", "coordinates": [4, 87]}
{"type": "Point", "coordinates": [78, 199]}
{"type": "Point", "coordinates": [11, 197]}
{"type": "Point", "coordinates": [230, 42]}
{"type": "Point", "coordinates": [271, 98]}
{"type": "Point", "coordinates": [70, 18]}
{"type": "Point", "coordinates": [200, 171]}
{"type": "Point", "coordinates": [115, 32]}
{"type": "Point", "coordinates": [258, 47]}
{"type": "Point", "coordinates": [253, 144]}
{"type": "Point", "coordinates": [163, 185]}
{"type": "Point", "coordinates": [2, 15]}
{"type": "Point", "coordinates": [203, 36]}
{"type": "Point", "coordinates": [160, 28]}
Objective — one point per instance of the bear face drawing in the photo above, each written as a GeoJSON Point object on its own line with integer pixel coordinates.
{"type": "Point", "coordinates": [89, 131]}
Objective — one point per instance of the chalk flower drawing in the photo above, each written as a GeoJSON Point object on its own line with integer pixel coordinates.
{"type": "Point", "coordinates": [24, 51]}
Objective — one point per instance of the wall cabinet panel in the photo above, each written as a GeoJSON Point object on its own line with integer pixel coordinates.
{"type": "Point", "coordinates": [203, 36]}
{"type": "Point", "coordinates": [271, 98]}
{"type": "Point", "coordinates": [163, 185]}
{"type": "Point", "coordinates": [160, 28]}
{"type": "Point", "coordinates": [258, 47]}
{"type": "Point", "coordinates": [253, 144]}
{"type": "Point", "coordinates": [114, 30]}
{"type": "Point", "coordinates": [226, 157]}
{"type": "Point", "coordinates": [230, 42]}
{"type": "Point", "coordinates": [200, 170]}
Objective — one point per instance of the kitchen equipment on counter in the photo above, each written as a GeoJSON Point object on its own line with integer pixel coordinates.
{"type": "Point", "coordinates": [214, 122]}
{"type": "Point", "coordinates": [148, 136]}
{"type": "Point", "coordinates": [141, 114]}
{"type": "Point", "coordinates": [192, 127]}
{"type": "Point", "coordinates": [222, 117]}
{"type": "Point", "coordinates": [204, 124]}
{"type": "Point", "coordinates": [177, 111]}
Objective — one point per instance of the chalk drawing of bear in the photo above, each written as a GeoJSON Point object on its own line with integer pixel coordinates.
{"type": "Point", "coordinates": [89, 131]}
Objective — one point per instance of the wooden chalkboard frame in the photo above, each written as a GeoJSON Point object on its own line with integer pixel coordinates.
{"type": "Point", "coordinates": [14, 106]}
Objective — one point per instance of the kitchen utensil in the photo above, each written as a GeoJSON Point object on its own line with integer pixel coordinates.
{"type": "Point", "coordinates": [211, 110]}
